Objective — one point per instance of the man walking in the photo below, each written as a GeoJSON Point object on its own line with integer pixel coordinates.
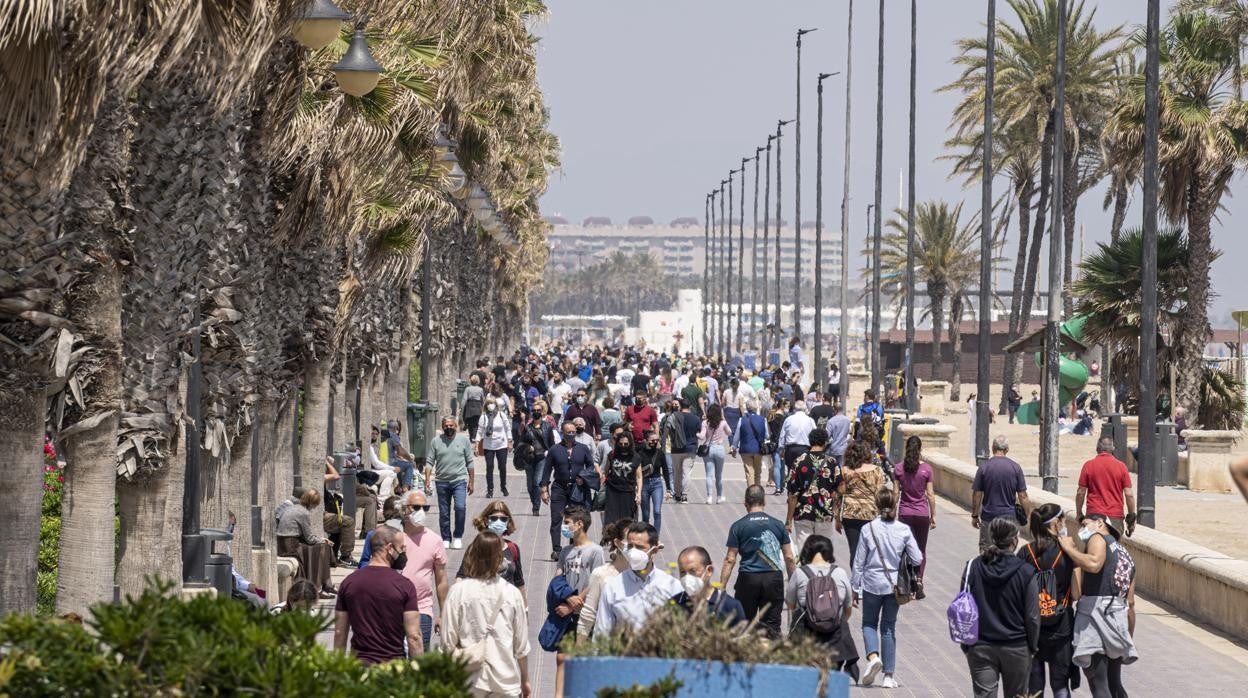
{"type": "Point", "coordinates": [426, 560]}
{"type": "Point", "coordinates": [450, 465]}
{"type": "Point", "coordinates": [680, 433]}
{"type": "Point", "coordinates": [640, 417]}
{"type": "Point", "coordinates": [587, 412]}
{"type": "Point", "coordinates": [1105, 486]}
{"type": "Point", "coordinates": [764, 548]}
{"type": "Point", "coordinates": [568, 463]}
{"type": "Point", "coordinates": [795, 437]}
{"type": "Point", "coordinates": [377, 606]}
{"type": "Point", "coordinates": [999, 485]}
{"type": "Point", "coordinates": [838, 433]}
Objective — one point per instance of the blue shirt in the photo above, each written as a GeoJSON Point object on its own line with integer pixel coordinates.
{"type": "Point", "coordinates": [721, 604]}
{"type": "Point", "coordinates": [563, 465]}
{"type": "Point", "coordinates": [759, 538]}
{"type": "Point", "coordinates": [1000, 479]}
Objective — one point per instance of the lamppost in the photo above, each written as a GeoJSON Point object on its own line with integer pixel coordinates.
{"type": "Point", "coordinates": [754, 259]}
{"type": "Point", "coordinates": [723, 286]}
{"type": "Point", "coordinates": [797, 188]}
{"type": "Point", "coordinates": [706, 268]}
{"type": "Point", "coordinates": [319, 24]}
{"type": "Point", "coordinates": [728, 269]}
{"type": "Point", "coordinates": [985, 245]}
{"type": "Point", "coordinates": [820, 375]}
{"type": "Point", "coordinates": [871, 354]}
{"type": "Point", "coordinates": [876, 232]}
{"type": "Point", "coordinates": [911, 384]}
{"type": "Point", "coordinates": [357, 72]}
{"type": "Point", "coordinates": [741, 256]}
{"type": "Point", "coordinates": [779, 226]}
{"type": "Point", "coordinates": [713, 263]}
{"type": "Point", "coordinates": [1052, 336]}
{"type": "Point", "coordinates": [844, 334]}
{"type": "Point", "coordinates": [762, 341]}
{"type": "Point", "coordinates": [1148, 299]}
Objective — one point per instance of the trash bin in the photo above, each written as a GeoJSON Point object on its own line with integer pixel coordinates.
{"type": "Point", "coordinates": [893, 442]}
{"type": "Point", "coordinates": [218, 564]}
{"type": "Point", "coordinates": [420, 429]}
{"type": "Point", "coordinates": [344, 464]}
{"type": "Point", "coordinates": [1113, 428]}
{"type": "Point", "coordinates": [457, 402]}
{"type": "Point", "coordinates": [1167, 445]}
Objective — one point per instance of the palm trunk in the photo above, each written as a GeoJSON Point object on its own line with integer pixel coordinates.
{"type": "Point", "coordinates": [1120, 209]}
{"type": "Point", "coordinates": [936, 299]}
{"type": "Point", "coordinates": [21, 440]}
{"type": "Point", "coordinates": [238, 496]}
{"type": "Point", "coordinates": [1070, 186]}
{"type": "Point", "coordinates": [1037, 239]}
{"type": "Point", "coordinates": [955, 335]}
{"type": "Point", "coordinates": [313, 437]}
{"type": "Point", "coordinates": [1194, 317]}
{"type": "Point", "coordinates": [151, 526]}
{"type": "Point", "coordinates": [1025, 188]}
{"type": "Point", "coordinates": [278, 458]}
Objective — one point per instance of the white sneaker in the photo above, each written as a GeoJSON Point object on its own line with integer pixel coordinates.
{"type": "Point", "coordinates": [721, 499]}
{"type": "Point", "coordinates": [889, 682]}
{"type": "Point", "coordinates": [446, 544]}
{"type": "Point", "coordinates": [457, 544]}
{"type": "Point", "coordinates": [710, 499]}
{"type": "Point", "coordinates": [867, 677]}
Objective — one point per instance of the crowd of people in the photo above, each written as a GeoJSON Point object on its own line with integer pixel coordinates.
{"type": "Point", "coordinates": [606, 439]}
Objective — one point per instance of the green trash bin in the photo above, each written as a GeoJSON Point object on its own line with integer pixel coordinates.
{"type": "Point", "coordinates": [457, 402]}
{"type": "Point", "coordinates": [420, 429]}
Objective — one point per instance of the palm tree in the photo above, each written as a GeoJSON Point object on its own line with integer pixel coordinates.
{"type": "Point", "coordinates": [1234, 26]}
{"type": "Point", "coordinates": [1203, 138]}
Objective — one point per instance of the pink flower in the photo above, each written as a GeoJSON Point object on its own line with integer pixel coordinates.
{"type": "Point", "coordinates": [60, 478]}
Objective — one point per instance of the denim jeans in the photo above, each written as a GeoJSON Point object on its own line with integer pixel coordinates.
{"type": "Point", "coordinates": [732, 415]}
{"type": "Point", "coordinates": [426, 630]}
{"type": "Point", "coordinates": [879, 625]}
{"type": "Point", "coordinates": [652, 500]}
{"type": "Point", "coordinates": [459, 491]}
{"type": "Point", "coordinates": [532, 477]}
{"type": "Point", "coordinates": [777, 469]}
{"type": "Point", "coordinates": [407, 474]}
{"type": "Point", "coordinates": [492, 458]}
{"type": "Point", "coordinates": [714, 463]}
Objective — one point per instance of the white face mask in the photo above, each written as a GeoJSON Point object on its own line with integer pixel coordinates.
{"type": "Point", "coordinates": [693, 584]}
{"type": "Point", "coordinates": [637, 559]}
{"type": "Point", "coordinates": [417, 518]}
{"type": "Point", "coordinates": [1061, 531]}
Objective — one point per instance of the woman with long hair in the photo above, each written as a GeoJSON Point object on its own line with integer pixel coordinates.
{"type": "Point", "coordinates": [621, 473]}
{"type": "Point", "coordinates": [775, 422]}
{"type": "Point", "coordinates": [496, 517]}
{"type": "Point", "coordinates": [666, 385]}
{"type": "Point", "coordinates": [714, 435]}
{"type": "Point", "coordinates": [918, 499]}
{"type": "Point", "coordinates": [862, 481]}
{"type": "Point", "coordinates": [1057, 620]}
{"type": "Point", "coordinates": [483, 608]}
{"type": "Point", "coordinates": [877, 565]}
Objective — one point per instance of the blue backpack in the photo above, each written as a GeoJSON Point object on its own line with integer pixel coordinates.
{"type": "Point", "coordinates": [964, 614]}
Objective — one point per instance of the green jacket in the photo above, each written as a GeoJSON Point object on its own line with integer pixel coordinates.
{"type": "Point", "coordinates": [450, 459]}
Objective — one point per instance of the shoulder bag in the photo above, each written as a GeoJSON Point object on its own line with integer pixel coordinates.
{"type": "Point", "coordinates": [473, 656]}
{"type": "Point", "coordinates": [903, 589]}
{"type": "Point", "coordinates": [765, 446]}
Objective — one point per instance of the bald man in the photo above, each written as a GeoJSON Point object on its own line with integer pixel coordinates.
{"type": "Point", "coordinates": [378, 605]}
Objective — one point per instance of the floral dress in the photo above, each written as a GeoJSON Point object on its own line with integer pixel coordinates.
{"type": "Point", "coordinates": [814, 480]}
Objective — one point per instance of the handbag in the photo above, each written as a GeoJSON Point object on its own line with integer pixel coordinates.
{"type": "Point", "coordinates": [903, 588]}
{"type": "Point", "coordinates": [703, 450]}
{"type": "Point", "coordinates": [765, 446]}
{"type": "Point", "coordinates": [473, 656]}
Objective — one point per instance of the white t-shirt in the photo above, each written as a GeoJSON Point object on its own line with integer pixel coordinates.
{"type": "Point", "coordinates": [558, 395]}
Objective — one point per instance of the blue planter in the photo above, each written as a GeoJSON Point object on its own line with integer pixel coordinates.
{"type": "Point", "coordinates": [584, 676]}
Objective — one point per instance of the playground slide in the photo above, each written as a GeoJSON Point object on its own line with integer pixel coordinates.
{"type": "Point", "coordinates": [1072, 376]}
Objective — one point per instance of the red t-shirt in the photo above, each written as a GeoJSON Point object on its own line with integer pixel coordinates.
{"type": "Point", "coordinates": [374, 599]}
{"type": "Point", "coordinates": [1106, 478]}
{"type": "Point", "coordinates": [642, 421]}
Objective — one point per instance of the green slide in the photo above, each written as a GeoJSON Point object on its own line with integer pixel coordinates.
{"type": "Point", "coordinates": [1072, 374]}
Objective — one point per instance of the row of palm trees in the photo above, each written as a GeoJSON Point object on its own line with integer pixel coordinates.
{"type": "Point", "coordinates": [188, 200]}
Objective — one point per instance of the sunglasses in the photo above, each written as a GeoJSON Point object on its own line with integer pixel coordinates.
{"type": "Point", "coordinates": [422, 507]}
{"type": "Point", "coordinates": [499, 517]}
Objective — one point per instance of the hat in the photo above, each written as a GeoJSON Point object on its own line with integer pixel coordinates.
{"type": "Point", "coordinates": [1112, 530]}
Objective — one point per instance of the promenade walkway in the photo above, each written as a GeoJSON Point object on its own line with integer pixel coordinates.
{"type": "Point", "coordinates": [1175, 653]}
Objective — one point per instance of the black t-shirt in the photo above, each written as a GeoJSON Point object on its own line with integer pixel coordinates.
{"type": "Point", "coordinates": [375, 599]}
{"type": "Point", "coordinates": [821, 413]}
{"type": "Point", "coordinates": [622, 472]}
{"type": "Point", "coordinates": [512, 570]}
{"type": "Point", "coordinates": [641, 383]}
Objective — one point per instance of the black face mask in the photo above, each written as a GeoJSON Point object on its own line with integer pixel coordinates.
{"type": "Point", "coordinates": [568, 438]}
{"type": "Point", "coordinates": [399, 562]}
{"type": "Point", "coordinates": [449, 432]}
{"type": "Point", "coordinates": [624, 448]}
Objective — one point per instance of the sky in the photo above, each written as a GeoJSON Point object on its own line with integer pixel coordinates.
{"type": "Point", "coordinates": [656, 100]}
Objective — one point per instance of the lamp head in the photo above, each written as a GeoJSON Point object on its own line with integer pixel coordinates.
{"type": "Point", "coordinates": [358, 73]}
{"type": "Point", "coordinates": [319, 24]}
{"type": "Point", "coordinates": [801, 32]}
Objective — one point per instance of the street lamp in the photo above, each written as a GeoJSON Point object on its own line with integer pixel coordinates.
{"type": "Point", "coordinates": [357, 72]}
{"type": "Point", "coordinates": [442, 143]}
{"type": "Point", "coordinates": [820, 379]}
{"type": "Point", "coordinates": [797, 187]}
{"type": "Point", "coordinates": [779, 225]}
{"type": "Point", "coordinates": [985, 245]}
{"type": "Point", "coordinates": [766, 250]}
{"type": "Point", "coordinates": [849, 77]}
{"type": "Point", "coordinates": [876, 232]}
{"type": "Point", "coordinates": [319, 24]}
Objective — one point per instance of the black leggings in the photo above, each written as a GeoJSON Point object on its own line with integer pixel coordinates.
{"type": "Point", "coordinates": [853, 529]}
{"type": "Point", "coordinates": [1105, 677]}
{"type": "Point", "coordinates": [1059, 678]}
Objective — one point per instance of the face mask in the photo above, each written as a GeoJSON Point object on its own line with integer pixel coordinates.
{"type": "Point", "coordinates": [566, 531]}
{"type": "Point", "coordinates": [580, 430]}
{"type": "Point", "coordinates": [568, 437]}
{"type": "Point", "coordinates": [1061, 531]}
{"type": "Point", "coordinates": [417, 518]}
{"type": "Point", "coordinates": [449, 432]}
{"type": "Point", "coordinates": [637, 559]}
{"type": "Point", "coordinates": [537, 414]}
{"type": "Point", "coordinates": [693, 584]}
{"type": "Point", "coordinates": [580, 400]}
{"type": "Point", "coordinates": [1085, 534]}
{"type": "Point", "coordinates": [499, 527]}
{"type": "Point", "coordinates": [399, 562]}
{"type": "Point", "coordinates": [624, 448]}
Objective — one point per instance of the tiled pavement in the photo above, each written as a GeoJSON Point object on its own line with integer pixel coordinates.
{"type": "Point", "coordinates": [1175, 653]}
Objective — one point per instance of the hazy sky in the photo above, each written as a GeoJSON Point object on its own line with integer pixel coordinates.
{"type": "Point", "coordinates": [655, 100]}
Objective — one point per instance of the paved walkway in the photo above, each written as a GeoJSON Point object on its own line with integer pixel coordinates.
{"type": "Point", "coordinates": [1175, 653]}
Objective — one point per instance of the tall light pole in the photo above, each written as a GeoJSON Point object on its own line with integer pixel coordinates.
{"type": "Point", "coordinates": [879, 188]}
{"type": "Point", "coordinates": [797, 199]}
{"type": "Point", "coordinates": [722, 295]}
{"type": "Point", "coordinates": [741, 257]}
{"type": "Point", "coordinates": [779, 226]}
{"type": "Point", "coordinates": [766, 250]}
{"type": "Point", "coordinates": [728, 267]}
{"type": "Point", "coordinates": [844, 336]}
{"type": "Point", "coordinates": [712, 262]}
{"type": "Point", "coordinates": [820, 374]}
{"type": "Point", "coordinates": [870, 354]}
{"type": "Point", "coordinates": [1148, 300]}
{"type": "Point", "coordinates": [706, 270]}
{"type": "Point", "coordinates": [1052, 337]}
{"type": "Point", "coordinates": [982, 405]}
{"type": "Point", "coordinates": [754, 259]}
{"type": "Point", "coordinates": [908, 366]}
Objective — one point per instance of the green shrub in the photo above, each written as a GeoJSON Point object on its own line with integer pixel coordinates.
{"type": "Point", "coordinates": [49, 533]}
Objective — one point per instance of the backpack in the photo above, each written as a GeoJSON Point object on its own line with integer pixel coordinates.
{"type": "Point", "coordinates": [823, 602]}
{"type": "Point", "coordinates": [676, 433]}
{"type": "Point", "coordinates": [963, 614]}
{"type": "Point", "coordinates": [1051, 607]}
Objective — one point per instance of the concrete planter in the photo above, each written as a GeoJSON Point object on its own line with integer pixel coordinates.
{"type": "Point", "coordinates": [934, 436]}
{"type": "Point", "coordinates": [934, 397]}
{"type": "Point", "coordinates": [1208, 452]}
{"type": "Point", "coordinates": [584, 676]}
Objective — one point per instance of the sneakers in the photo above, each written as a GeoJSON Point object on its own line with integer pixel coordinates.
{"type": "Point", "coordinates": [889, 682]}
{"type": "Point", "coordinates": [457, 544]}
{"type": "Point", "coordinates": [722, 499]}
{"type": "Point", "coordinates": [871, 671]}
{"type": "Point", "coordinates": [445, 544]}
{"type": "Point", "coordinates": [710, 499]}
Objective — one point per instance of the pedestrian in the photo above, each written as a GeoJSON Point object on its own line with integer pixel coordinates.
{"type": "Point", "coordinates": [377, 606]}
{"type": "Point", "coordinates": [584, 409]}
{"type": "Point", "coordinates": [858, 505]}
{"type": "Point", "coordinates": [695, 395]}
{"type": "Point", "coordinates": [396, 454]}
{"type": "Point", "coordinates": [640, 417]}
{"type": "Point", "coordinates": [1105, 612]}
{"type": "Point", "coordinates": [918, 500]}
{"type": "Point", "coordinates": [496, 517]}
{"type": "Point", "coordinates": [656, 479]}
{"type": "Point", "coordinates": [535, 442]}
{"type": "Point", "coordinates": [609, 415]}
{"type": "Point", "coordinates": [775, 423]}
{"type": "Point", "coordinates": [877, 565]}
{"type": "Point", "coordinates": [750, 439]}
{"type": "Point", "coordinates": [614, 543]}
{"type": "Point", "coordinates": [838, 433]}
{"type": "Point", "coordinates": [734, 400]}
{"type": "Point", "coordinates": [765, 550]}
{"type": "Point", "coordinates": [296, 539]}
{"type": "Point", "coordinates": [1105, 488]}
{"type": "Point", "coordinates": [474, 403]}
{"type": "Point", "coordinates": [794, 439]}
{"type": "Point", "coordinates": [1005, 591]}
{"type": "Point", "coordinates": [582, 556]}
{"type": "Point", "coordinates": [621, 474]}
{"type": "Point", "coordinates": [426, 560]}
{"type": "Point", "coordinates": [870, 411]}
{"type": "Point", "coordinates": [493, 438]}
{"type": "Point", "coordinates": [1055, 569]}
{"type": "Point", "coordinates": [565, 480]}
{"type": "Point", "coordinates": [999, 487]}
{"type": "Point", "coordinates": [487, 617]}
{"type": "Point", "coordinates": [630, 598]}
{"type": "Point", "coordinates": [387, 475]}
{"type": "Point", "coordinates": [449, 465]}
{"type": "Point", "coordinates": [795, 355]}
{"type": "Point", "coordinates": [834, 382]}
{"type": "Point", "coordinates": [828, 621]}
{"type": "Point", "coordinates": [696, 575]}
{"type": "Point", "coordinates": [713, 441]}
{"type": "Point", "coordinates": [1013, 402]}
{"type": "Point", "coordinates": [815, 488]}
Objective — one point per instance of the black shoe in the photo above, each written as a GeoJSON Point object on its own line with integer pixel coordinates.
{"type": "Point", "coordinates": [778, 491]}
{"type": "Point", "coordinates": [349, 561]}
{"type": "Point", "coordinates": [506, 493]}
{"type": "Point", "coordinates": [489, 494]}
{"type": "Point", "coordinates": [537, 512]}
{"type": "Point", "coordinates": [919, 594]}
{"type": "Point", "coordinates": [554, 554]}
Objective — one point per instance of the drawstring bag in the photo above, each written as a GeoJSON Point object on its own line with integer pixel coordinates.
{"type": "Point", "coordinates": [964, 614]}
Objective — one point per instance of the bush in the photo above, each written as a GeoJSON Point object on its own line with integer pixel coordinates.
{"type": "Point", "coordinates": [159, 645]}
{"type": "Point", "coordinates": [49, 532]}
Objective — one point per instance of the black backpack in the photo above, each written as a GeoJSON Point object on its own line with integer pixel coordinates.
{"type": "Point", "coordinates": [676, 432]}
{"type": "Point", "coordinates": [1052, 606]}
{"type": "Point", "coordinates": [822, 614]}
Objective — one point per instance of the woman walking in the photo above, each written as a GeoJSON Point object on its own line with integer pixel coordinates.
{"type": "Point", "coordinates": [858, 506]}
{"type": "Point", "coordinates": [1057, 608]}
{"type": "Point", "coordinates": [918, 499]}
{"type": "Point", "coordinates": [624, 485]}
{"type": "Point", "coordinates": [1105, 614]}
{"type": "Point", "coordinates": [877, 564]}
{"type": "Point", "coordinates": [748, 440]}
{"type": "Point", "coordinates": [714, 436]}
{"type": "Point", "coordinates": [818, 559]}
{"type": "Point", "coordinates": [493, 437]}
{"type": "Point", "coordinates": [496, 517]}
{"type": "Point", "coordinates": [775, 422]}
{"type": "Point", "coordinates": [1004, 589]}
{"type": "Point", "coordinates": [482, 608]}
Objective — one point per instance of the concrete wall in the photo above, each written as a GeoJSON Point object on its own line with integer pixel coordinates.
{"type": "Point", "coordinates": [1196, 580]}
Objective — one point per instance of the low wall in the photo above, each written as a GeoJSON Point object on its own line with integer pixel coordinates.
{"type": "Point", "coordinates": [1198, 581]}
